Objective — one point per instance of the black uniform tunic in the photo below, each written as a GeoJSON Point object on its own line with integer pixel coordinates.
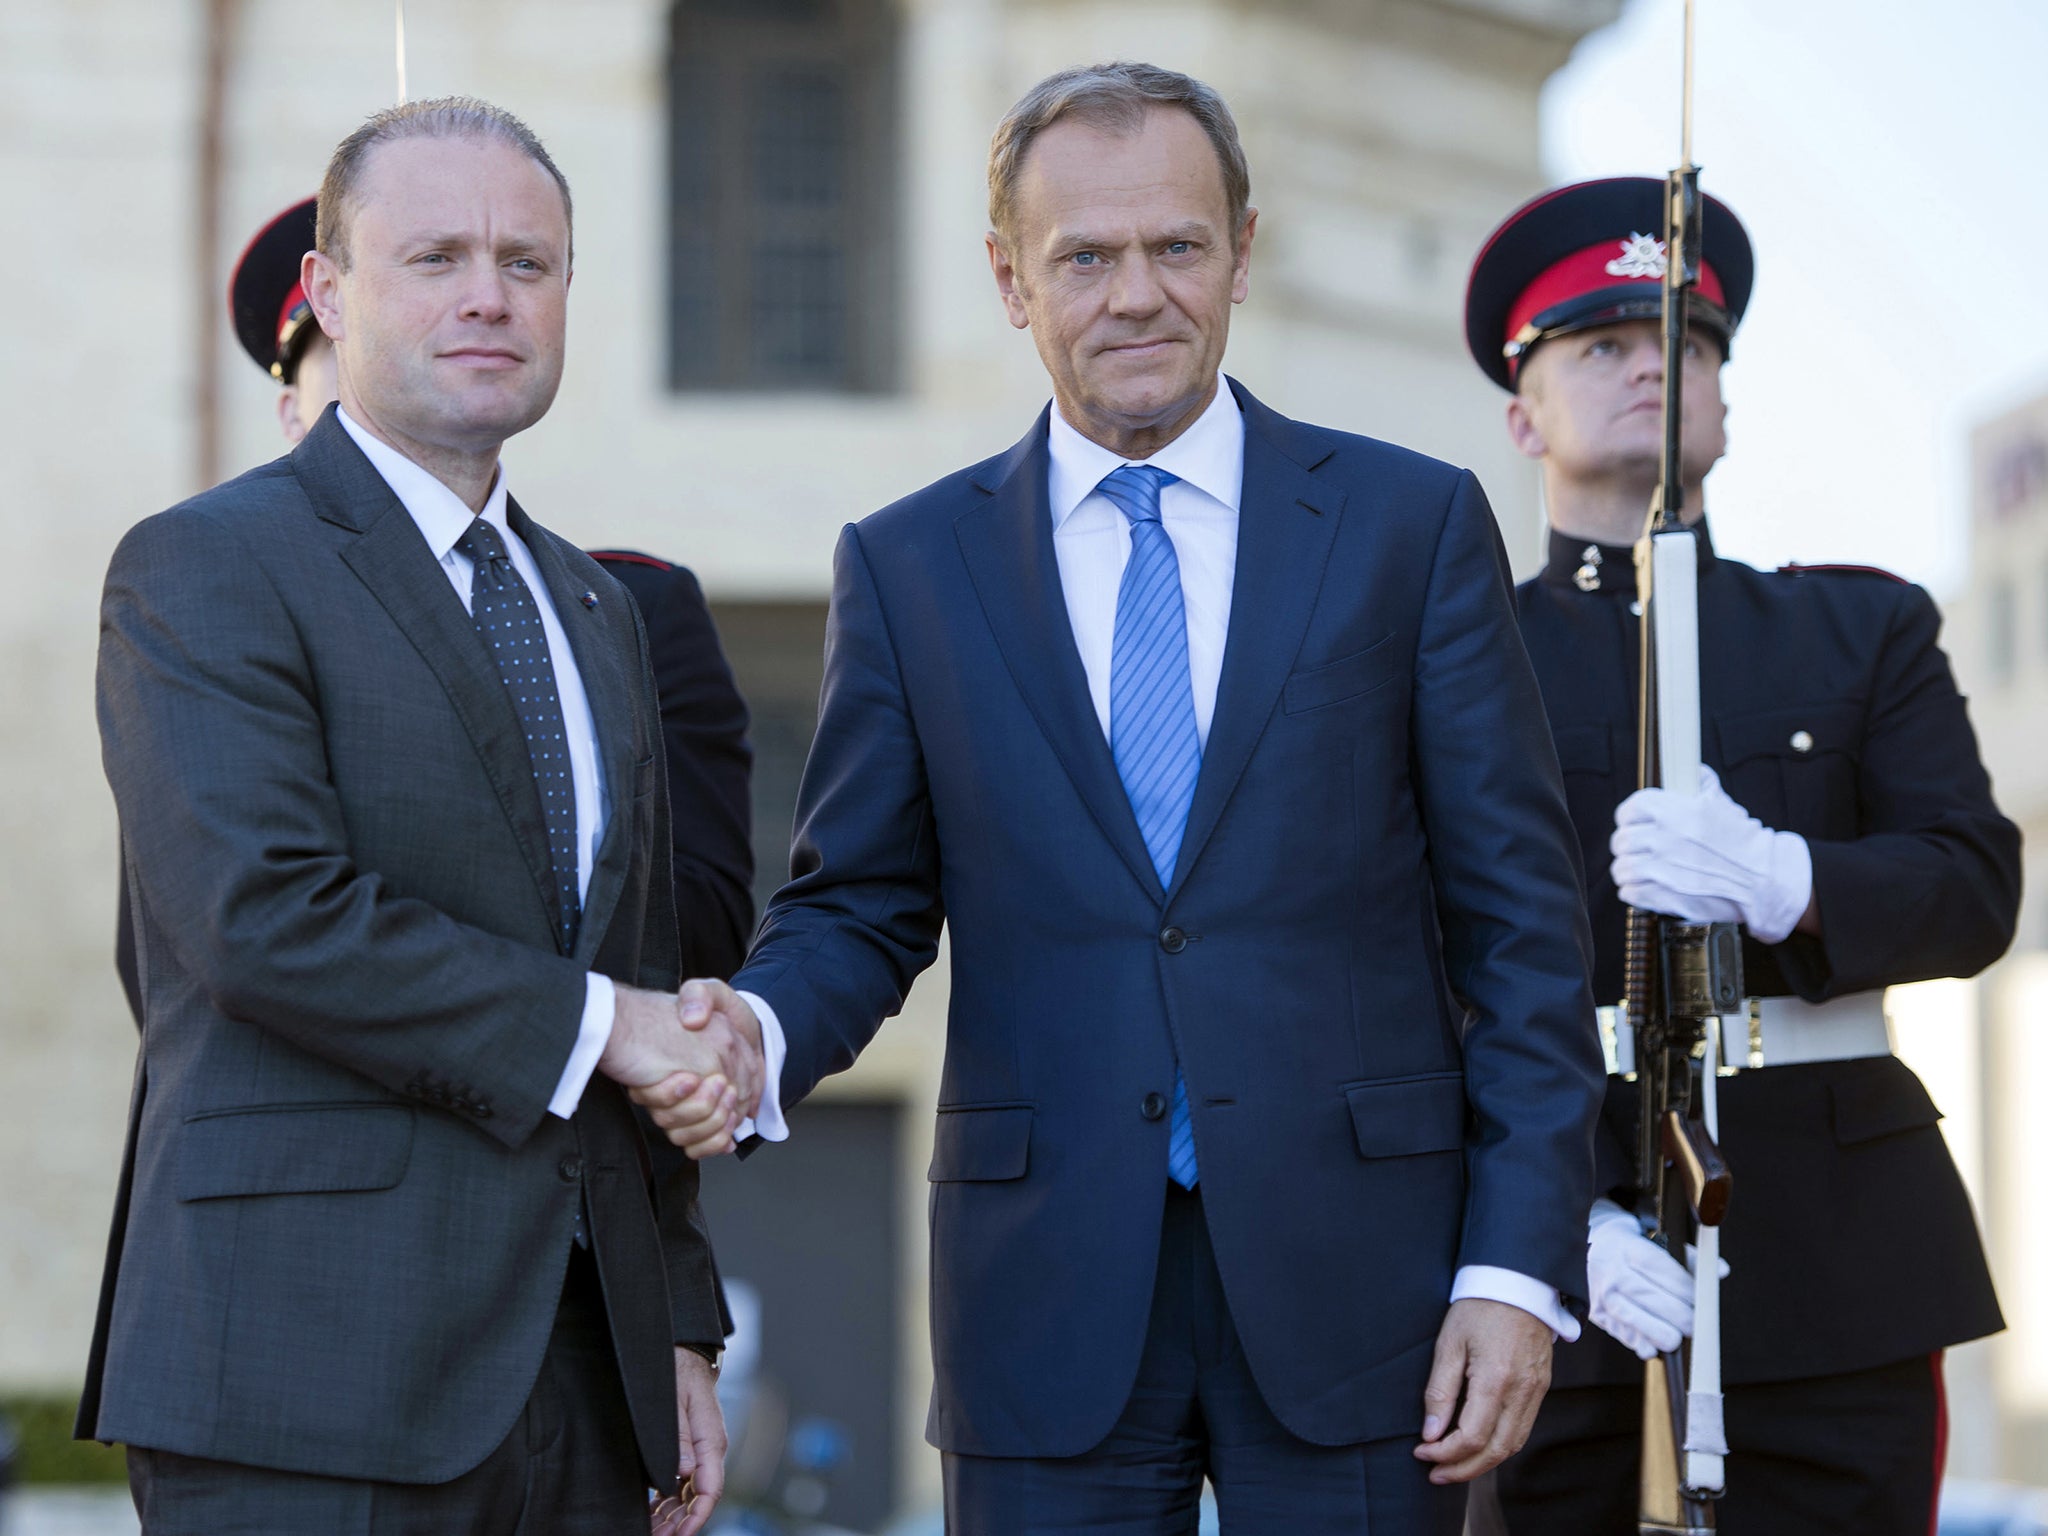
{"type": "Point", "coordinates": [710, 763]}
{"type": "Point", "coordinates": [1828, 709]}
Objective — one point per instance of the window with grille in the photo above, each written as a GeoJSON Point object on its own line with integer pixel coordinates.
{"type": "Point", "coordinates": [782, 168]}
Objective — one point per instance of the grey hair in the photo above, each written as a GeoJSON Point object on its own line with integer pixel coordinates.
{"type": "Point", "coordinates": [1114, 96]}
{"type": "Point", "coordinates": [444, 117]}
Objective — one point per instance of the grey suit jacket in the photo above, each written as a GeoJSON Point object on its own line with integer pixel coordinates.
{"type": "Point", "coordinates": [344, 1211]}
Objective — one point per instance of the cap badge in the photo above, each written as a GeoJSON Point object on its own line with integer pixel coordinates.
{"type": "Point", "coordinates": [1587, 577]}
{"type": "Point", "coordinates": [1641, 256]}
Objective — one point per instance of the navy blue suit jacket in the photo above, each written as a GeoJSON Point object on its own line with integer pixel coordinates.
{"type": "Point", "coordinates": [1371, 963]}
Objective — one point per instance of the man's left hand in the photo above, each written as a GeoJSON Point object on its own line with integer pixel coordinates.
{"type": "Point", "coordinates": [1492, 1369]}
{"type": "Point", "coordinates": [698, 1115]}
{"type": "Point", "coordinates": [701, 1449]}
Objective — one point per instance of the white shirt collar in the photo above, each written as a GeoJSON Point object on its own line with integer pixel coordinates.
{"type": "Point", "coordinates": [1209, 455]}
{"type": "Point", "coordinates": [443, 516]}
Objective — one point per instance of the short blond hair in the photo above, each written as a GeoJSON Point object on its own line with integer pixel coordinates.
{"type": "Point", "coordinates": [1116, 97]}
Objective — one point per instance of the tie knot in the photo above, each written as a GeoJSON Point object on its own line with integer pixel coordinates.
{"type": "Point", "coordinates": [1135, 490]}
{"type": "Point", "coordinates": [481, 543]}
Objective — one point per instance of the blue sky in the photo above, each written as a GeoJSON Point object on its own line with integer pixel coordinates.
{"type": "Point", "coordinates": [1890, 160]}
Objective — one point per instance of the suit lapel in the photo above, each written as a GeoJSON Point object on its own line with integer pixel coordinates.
{"type": "Point", "coordinates": [1007, 544]}
{"type": "Point", "coordinates": [1287, 521]}
{"type": "Point", "coordinates": [592, 639]}
{"type": "Point", "coordinates": [392, 559]}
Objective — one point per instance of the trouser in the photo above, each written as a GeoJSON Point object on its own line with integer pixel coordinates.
{"type": "Point", "coordinates": [570, 1466]}
{"type": "Point", "coordinates": [1196, 1413]}
{"type": "Point", "coordinates": [1857, 1453]}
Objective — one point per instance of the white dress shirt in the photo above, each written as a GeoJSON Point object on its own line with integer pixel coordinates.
{"type": "Point", "coordinates": [443, 518]}
{"type": "Point", "coordinates": [1092, 543]}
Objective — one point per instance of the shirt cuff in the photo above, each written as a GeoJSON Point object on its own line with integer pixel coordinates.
{"type": "Point", "coordinates": [767, 1122]}
{"type": "Point", "coordinates": [600, 1003]}
{"type": "Point", "coordinates": [1487, 1282]}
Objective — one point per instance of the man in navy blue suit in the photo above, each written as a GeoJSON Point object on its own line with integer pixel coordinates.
{"type": "Point", "coordinates": [1265, 1135]}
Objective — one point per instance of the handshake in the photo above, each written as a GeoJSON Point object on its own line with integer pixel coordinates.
{"type": "Point", "coordinates": [692, 1060]}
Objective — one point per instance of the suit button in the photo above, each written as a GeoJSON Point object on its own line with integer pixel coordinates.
{"type": "Point", "coordinates": [571, 1169]}
{"type": "Point", "coordinates": [1173, 941]}
{"type": "Point", "coordinates": [1802, 741]}
{"type": "Point", "coordinates": [1153, 1107]}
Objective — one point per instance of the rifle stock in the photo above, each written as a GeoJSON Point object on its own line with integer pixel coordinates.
{"type": "Point", "coordinates": [1702, 1173]}
{"type": "Point", "coordinates": [1665, 1508]}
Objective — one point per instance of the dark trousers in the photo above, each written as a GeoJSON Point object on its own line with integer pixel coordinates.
{"type": "Point", "coordinates": [1195, 1412]}
{"type": "Point", "coordinates": [1852, 1455]}
{"type": "Point", "coordinates": [569, 1467]}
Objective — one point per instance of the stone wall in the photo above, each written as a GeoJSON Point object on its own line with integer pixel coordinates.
{"type": "Point", "coordinates": [1385, 139]}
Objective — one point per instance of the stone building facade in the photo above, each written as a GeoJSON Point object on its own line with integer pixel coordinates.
{"type": "Point", "coordinates": [1385, 138]}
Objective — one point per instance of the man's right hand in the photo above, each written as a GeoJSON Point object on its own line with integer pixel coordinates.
{"type": "Point", "coordinates": [697, 1084]}
{"type": "Point", "coordinates": [704, 1002]}
{"type": "Point", "coordinates": [712, 1008]}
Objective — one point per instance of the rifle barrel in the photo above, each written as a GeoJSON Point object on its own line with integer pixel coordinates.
{"type": "Point", "coordinates": [1685, 133]}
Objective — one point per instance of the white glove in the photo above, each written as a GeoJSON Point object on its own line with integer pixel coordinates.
{"type": "Point", "coordinates": [1641, 1295]}
{"type": "Point", "coordinates": [1707, 860]}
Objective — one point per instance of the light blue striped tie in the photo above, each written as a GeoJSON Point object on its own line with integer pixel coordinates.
{"type": "Point", "coordinates": [1152, 714]}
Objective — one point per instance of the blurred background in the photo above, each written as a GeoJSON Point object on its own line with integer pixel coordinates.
{"type": "Point", "coordinates": [782, 319]}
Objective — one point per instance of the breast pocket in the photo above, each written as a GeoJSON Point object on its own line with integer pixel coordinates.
{"type": "Point", "coordinates": [1346, 678]}
{"type": "Point", "coordinates": [1794, 767]}
{"type": "Point", "coordinates": [1584, 749]}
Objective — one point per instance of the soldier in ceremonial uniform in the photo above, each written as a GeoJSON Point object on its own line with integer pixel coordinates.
{"type": "Point", "coordinates": [1845, 820]}
{"type": "Point", "coordinates": [275, 324]}
{"type": "Point", "coordinates": [704, 719]}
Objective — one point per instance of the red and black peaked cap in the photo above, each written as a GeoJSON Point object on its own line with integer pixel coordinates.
{"type": "Point", "coordinates": [1590, 254]}
{"type": "Point", "coordinates": [272, 319]}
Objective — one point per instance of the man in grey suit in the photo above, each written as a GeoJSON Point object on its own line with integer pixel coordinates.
{"type": "Point", "coordinates": [387, 1254]}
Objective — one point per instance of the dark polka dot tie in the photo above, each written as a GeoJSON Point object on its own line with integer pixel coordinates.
{"type": "Point", "coordinates": [509, 622]}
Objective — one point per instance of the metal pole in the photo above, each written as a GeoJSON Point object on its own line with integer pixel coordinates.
{"type": "Point", "coordinates": [209, 173]}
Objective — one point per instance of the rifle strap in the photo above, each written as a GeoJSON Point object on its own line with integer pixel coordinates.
{"type": "Point", "coordinates": [1705, 1433]}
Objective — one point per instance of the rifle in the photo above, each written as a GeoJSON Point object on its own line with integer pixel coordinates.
{"type": "Point", "coordinates": [1681, 977]}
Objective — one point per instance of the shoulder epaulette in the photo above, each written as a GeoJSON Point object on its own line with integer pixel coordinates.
{"type": "Point", "coordinates": [1842, 570]}
{"type": "Point", "coordinates": [631, 557]}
